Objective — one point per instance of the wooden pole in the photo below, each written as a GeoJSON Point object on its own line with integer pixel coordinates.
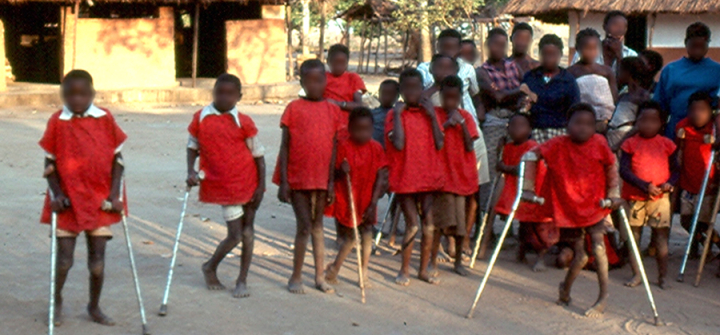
{"type": "Point", "coordinates": [385, 32]}
{"type": "Point", "coordinates": [288, 26]}
{"type": "Point", "coordinates": [321, 51]}
{"type": "Point", "coordinates": [305, 28]}
{"type": "Point", "coordinates": [77, 17]}
{"type": "Point", "coordinates": [196, 30]}
{"type": "Point", "coordinates": [362, 46]}
{"type": "Point", "coordinates": [377, 48]}
{"type": "Point", "coordinates": [369, 49]}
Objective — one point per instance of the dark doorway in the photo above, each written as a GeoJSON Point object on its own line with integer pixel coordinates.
{"type": "Point", "coordinates": [212, 43]}
{"type": "Point", "coordinates": [33, 41]}
{"type": "Point", "coordinates": [636, 37]}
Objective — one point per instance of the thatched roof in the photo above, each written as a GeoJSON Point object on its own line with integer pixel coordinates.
{"type": "Point", "coordinates": [372, 10]}
{"type": "Point", "coordinates": [159, 2]}
{"type": "Point", "coordinates": [545, 7]}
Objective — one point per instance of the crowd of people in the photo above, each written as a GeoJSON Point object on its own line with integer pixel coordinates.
{"type": "Point", "coordinates": [600, 129]}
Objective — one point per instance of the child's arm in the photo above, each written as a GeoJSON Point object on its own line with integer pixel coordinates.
{"type": "Point", "coordinates": [379, 188]}
{"type": "Point", "coordinates": [192, 175]}
{"type": "Point", "coordinates": [331, 179]}
{"type": "Point", "coordinates": [59, 201]}
{"type": "Point", "coordinates": [284, 190]}
{"type": "Point", "coordinates": [260, 190]}
{"type": "Point", "coordinates": [117, 172]}
{"type": "Point", "coordinates": [674, 172]}
{"type": "Point", "coordinates": [438, 136]}
{"type": "Point", "coordinates": [612, 192]}
{"type": "Point", "coordinates": [348, 106]}
{"type": "Point", "coordinates": [467, 138]}
{"type": "Point", "coordinates": [397, 135]}
{"type": "Point", "coordinates": [630, 177]}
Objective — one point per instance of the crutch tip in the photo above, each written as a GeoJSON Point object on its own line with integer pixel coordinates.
{"type": "Point", "coordinates": [163, 310]}
{"type": "Point", "coordinates": [680, 278]}
{"type": "Point", "coordinates": [469, 316]}
{"type": "Point", "coordinates": [146, 330]}
{"type": "Point", "coordinates": [658, 323]}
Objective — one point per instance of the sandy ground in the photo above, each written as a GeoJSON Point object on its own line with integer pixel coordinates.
{"type": "Point", "coordinates": [516, 301]}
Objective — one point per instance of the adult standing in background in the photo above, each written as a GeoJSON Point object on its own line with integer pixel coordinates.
{"type": "Point", "coordinates": [521, 38]}
{"type": "Point", "coordinates": [692, 73]}
{"type": "Point", "coordinates": [613, 47]}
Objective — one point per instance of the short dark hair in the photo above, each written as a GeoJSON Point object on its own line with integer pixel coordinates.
{"type": "Point", "coordinates": [470, 42]}
{"type": "Point", "coordinates": [522, 115]}
{"type": "Point", "coordinates": [551, 39]}
{"type": "Point", "coordinates": [311, 64]}
{"type": "Point", "coordinates": [78, 74]}
{"type": "Point", "coordinates": [701, 96]}
{"type": "Point", "coordinates": [580, 107]}
{"type": "Point", "coordinates": [359, 113]}
{"type": "Point", "coordinates": [451, 33]}
{"type": "Point", "coordinates": [612, 14]}
{"type": "Point", "coordinates": [437, 57]}
{"type": "Point", "coordinates": [584, 34]}
{"type": "Point", "coordinates": [497, 32]}
{"type": "Point", "coordinates": [652, 104]}
{"type": "Point", "coordinates": [635, 66]}
{"type": "Point", "coordinates": [522, 26]}
{"type": "Point", "coordinates": [451, 82]}
{"type": "Point", "coordinates": [229, 78]}
{"type": "Point", "coordinates": [697, 29]}
{"type": "Point", "coordinates": [655, 60]}
{"type": "Point", "coordinates": [391, 82]}
{"type": "Point", "coordinates": [410, 73]}
{"type": "Point", "coordinates": [338, 48]}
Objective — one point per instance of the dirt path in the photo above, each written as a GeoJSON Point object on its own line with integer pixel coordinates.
{"type": "Point", "coordinates": [516, 301]}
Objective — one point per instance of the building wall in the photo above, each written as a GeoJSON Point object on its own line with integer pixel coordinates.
{"type": "Point", "coordinates": [256, 50]}
{"type": "Point", "coordinates": [3, 79]}
{"type": "Point", "coordinates": [122, 53]}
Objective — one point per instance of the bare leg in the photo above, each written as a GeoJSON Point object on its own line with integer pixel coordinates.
{"type": "Point", "coordinates": [318, 243]}
{"type": "Point", "coordinates": [408, 204]}
{"type": "Point", "coordinates": [488, 235]}
{"type": "Point", "coordinates": [601, 260]}
{"type": "Point", "coordinates": [471, 207]}
{"type": "Point", "coordinates": [96, 265]}
{"type": "Point", "coordinates": [348, 242]}
{"type": "Point", "coordinates": [636, 279]}
{"type": "Point", "coordinates": [248, 244]}
{"type": "Point", "coordinates": [540, 261]}
{"type": "Point", "coordinates": [209, 268]}
{"type": "Point", "coordinates": [426, 200]}
{"type": "Point", "coordinates": [366, 232]}
{"type": "Point", "coordinates": [434, 254]}
{"type": "Point", "coordinates": [459, 268]}
{"type": "Point", "coordinates": [579, 260]}
{"type": "Point", "coordinates": [301, 206]}
{"type": "Point", "coordinates": [66, 250]}
{"type": "Point", "coordinates": [660, 237]}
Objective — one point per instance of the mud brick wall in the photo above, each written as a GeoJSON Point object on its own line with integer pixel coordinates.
{"type": "Point", "coordinates": [256, 50]}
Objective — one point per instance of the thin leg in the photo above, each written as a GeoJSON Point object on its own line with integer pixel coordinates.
{"type": "Point", "coordinates": [661, 237]}
{"type": "Point", "coordinates": [426, 241]}
{"type": "Point", "coordinates": [408, 205]}
{"type": "Point", "coordinates": [636, 279]}
{"type": "Point", "coordinates": [580, 259]}
{"type": "Point", "coordinates": [318, 243]}
{"type": "Point", "coordinates": [96, 265]}
{"type": "Point", "coordinates": [367, 244]}
{"type": "Point", "coordinates": [209, 268]}
{"type": "Point", "coordinates": [65, 252]}
{"type": "Point", "coordinates": [348, 242]}
{"type": "Point", "coordinates": [601, 260]}
{"type": "Point", "coordinates": [301, 204]}
{"type": "Point", "coordinates": [435, 250]}
{"type": "Point", "coordinates": [248, 244]}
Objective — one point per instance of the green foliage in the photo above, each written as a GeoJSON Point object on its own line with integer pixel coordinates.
{"type": "Point", "coordinates": [438, 13]}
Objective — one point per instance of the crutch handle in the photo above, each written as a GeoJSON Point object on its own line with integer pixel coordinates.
{"type": "Point", "coordinates": [534, 199]}
{"type": "Point", "coordinates": [605, 203]}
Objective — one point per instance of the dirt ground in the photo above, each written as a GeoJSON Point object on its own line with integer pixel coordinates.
{"type": "Point", "coordinates": [516, 300]}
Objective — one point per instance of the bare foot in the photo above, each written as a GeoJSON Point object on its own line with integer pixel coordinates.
{"type": "Point", "coordinates": [241, 290]}
{"type": "Point", "coordinates": [563, 296]}
{"type": "Point", "coordinates": [324, 287]}
{"type": "Point", "coordinates": [598, 309]}
{"type": "Point", "coordinates": [433, 271]}
{"type": "Point", "coordinates": [296, 287]}
{"type": "Point", "coordinates": [211, 279]}
{"type": "Point", "coordinates": [664, 285]}
{"type": "Point", "coordinates": [426, 278]}
{"type": "Point", "coordinates": [366, 281]}
{"type": "Point", "coordinates": [460, 270]}
{"type": "Point", "coordinates": [635, 281]}
{"type": "Point", "coordinates": [402, 279]}
{"type": "Point", "coordinates": [331, 274]}
{"type": "Point", "coordinates": [97, 316]}
{"type": "Point", "coordinates": [539, 266]}
{"type": "Point", "coordinates": [58, 318]}
{"type": "Point", "coordinates": [442, 257]}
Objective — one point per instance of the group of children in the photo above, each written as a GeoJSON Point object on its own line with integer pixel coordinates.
{"type": "Point", "coordinates": [420, 149]}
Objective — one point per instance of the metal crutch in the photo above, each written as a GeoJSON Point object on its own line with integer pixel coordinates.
{"type": "Point", "coordinates": [483, 222]}
{"type": "Point", "coordinates": [376, 241]}
{"type": "Point", "coordinates": [166, 295]}
{"type": "Point", "coordinates": [606, 203]}
{"type": "Point", "coordinates": [508, 224]}
{"type": "Point", "coordinates": [53, 268]}
{"type": "Point", "coordinates": [358, 251]}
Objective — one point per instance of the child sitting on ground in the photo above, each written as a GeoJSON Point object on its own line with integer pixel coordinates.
{"type": "Point", "coordinates": [232, 161]}
{"type": "Point", "coordinates": [364, 160]}
{"type": "Point", "coordinates": [537, 231]}
{"type": "Point", "coordinates": [581, 172]}
{"type": "Point", "coordinates": [84, 168]}
{"type": "Point", "coordinates": [415, 138]}
{"type": "Point", "coordinates": [648, 168]}
{"type": "Point", "coordinates": [306, 167]}
{"type": "Point", "coordinates": [458, 156]}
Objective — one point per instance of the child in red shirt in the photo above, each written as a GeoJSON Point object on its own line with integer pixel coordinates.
{"type": "Point", "coordinates": [414, 140]}
{"type": "Point", "coordinates": [232, 160]}
{"type": "Point", "coordinates": [581, 172]}
{"type": "Point", "coordinates": [648, 167]}
{"type": "Point", "coordinates": [695, 150]}
{"type": "Point", "coordinates": [84, 168]}
{"type": "Point", "coordinates": [364, 160]}
{"type": "Point", "coordinates": [537, 231]}
{"type": "Point", "coordinates": [305, 168]}
{"type": "Point", "coordinates": [344, 88]}
{"type": "Point", "coordinates": [458, 158]}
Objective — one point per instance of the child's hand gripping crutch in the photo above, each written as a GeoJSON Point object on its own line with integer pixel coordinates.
{"type": "Point", "coordinates": [166, 294]}
{"type": "Point", "coordinates": [358, 251]}
{"type": "Point", "coordinates": [108, 206]}
{"type": "Point", "coordinates": [529, 197]}
{"type": "Point", "coordinates": [607, 203]}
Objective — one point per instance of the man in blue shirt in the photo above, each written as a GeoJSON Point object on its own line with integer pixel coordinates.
{"type": "Point", "coordinates": [692, 73]}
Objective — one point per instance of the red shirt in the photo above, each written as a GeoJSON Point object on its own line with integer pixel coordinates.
{"type": "Point", "coordinates": [460, 166]}
{"type": "Point", "coordinates": [365, 161]}
{"type": "Point", "coordinates": [230, 171]}
{"type": "Point", "coordinates": [695, 156]}
{"type": "Point", "coordinates": [419, 167]}
{"type": "Point", "coordinates": [344, 86]}
{"type": "Point", "coordinates": [312, 126]}
{"type": "Point", "coordinates": [84, 150]}
{"type": "Point", "coordinates": [650, 162]}
{"type": "Point", "coordinates": [527, 212]}
{"type": "Point", "coordinates": [576, 180]}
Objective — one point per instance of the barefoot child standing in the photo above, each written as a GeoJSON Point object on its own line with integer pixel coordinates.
{"type": "Point", "coordinates": [306, 166]}
{"type": "Point", "coordinates": [83, 167]}
{"type": "Point", "coordinates": [580, 173]}
{"type": "Point", "coordinates": [458, 158]}
{"type": "Point", "coordinates": [414, 140]}
{"type": "Point", "coordinates": [364, 160]}
{"type": "Point", "coordinates": [232, 160]}
{"type": "Point", "coordinates": [648, 166]}
{"type": "Point", "coordinates": [537, 231]}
